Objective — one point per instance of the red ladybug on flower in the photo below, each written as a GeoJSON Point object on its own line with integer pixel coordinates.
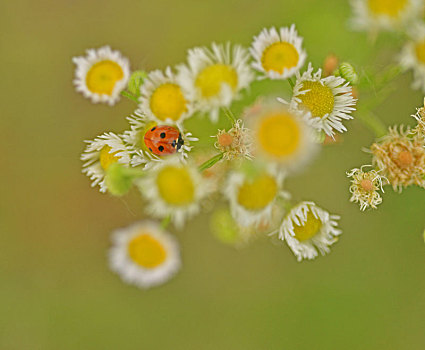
{"type": "Point", "coordinates": [163, 140]}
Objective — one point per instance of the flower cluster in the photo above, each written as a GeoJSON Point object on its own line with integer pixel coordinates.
{"type": "Point", "coordinates": [247, 164]}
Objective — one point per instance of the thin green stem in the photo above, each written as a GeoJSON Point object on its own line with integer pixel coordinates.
{"type": "Point", "coordinates": [371, 121]}
{"type": "Point", "coordinates": [129, 96]}
{"type": "Point", "coordinates": [291, 83]}
{"type": "Point", "coordinates": [228, 113]}
{"type": "Point", "coordinates": [210, 162]}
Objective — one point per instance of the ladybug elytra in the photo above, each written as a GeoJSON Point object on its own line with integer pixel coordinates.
{"type": "Point", "coordinates": [163, 140]}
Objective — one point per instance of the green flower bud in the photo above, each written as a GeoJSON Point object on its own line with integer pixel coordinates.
{"type": "Point", "coordinates": [136, 81]}
{"type": "Point", "coordinates": [224, 227]}
{"type": "Point", "coordinates": [119, 178]}
{"type": "Point", "coordinates": [347, 71]}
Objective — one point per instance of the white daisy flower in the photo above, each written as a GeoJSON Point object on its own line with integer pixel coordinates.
{"type": "Point", "coordinates": [100, 153]}
{"type": "Point", "coordinates": [140, 145]}
{"type": "Point", "coordinates": [308, 229]}
{"type": "Point", "coordinates": [281, 136]}
{"type": "Point", "coordinates": [329, 100]}
{"type": "Point", "coordinates": [214, 78]}
{"type": "Point", "coordinates": [174, 190]}
{"type": "Point", "coordinates": [412, 56]}
{"type": "Point", "coordinates": [253, 196]}
{"type": "Point", "coordinates": [162, 98]}
{"type": "Point", "coordinates": [278, 54]}
{"type": "Point", "coordinates": [365, 187]}
{"type": "Point", "coordinates": [101, 75]}
{"type": "Point", "coordinates": [144, 255]}
{"type": "Point", "coordinates": [377, 15]}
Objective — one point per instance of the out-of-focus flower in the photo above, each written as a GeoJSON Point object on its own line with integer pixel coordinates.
{"type": "Point", "coordinates": [253, 196]}
{"type": "Point", "coordinates": [282, 136]}
{"type": "Point", "coordinates": [214, 78]}
{"type": "Point", "coordinates": [162, 98]}
{"type": "Point", "coordinates": [365, 187]}
{"type": "Point", "coordinates": [308, 229]}
{"type": "Point", "coordinates": [329, 100]}
{"type": "Point", "coordinates": [374, 15]}
{"type": "Point", "coordinates": [400, 157]}
{"type": "Point", "coordinates": [174, 189]}
{"type": "Point", "coordinates": [278, 54]}
{"type": "Point", "coordinates": [101, 75]}
{"type": "Point", "coordinates": [100, 153]}
{"type": "Point", "coordinates": [144, 255]}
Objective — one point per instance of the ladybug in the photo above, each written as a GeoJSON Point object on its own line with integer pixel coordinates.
{"type": "Point", "coordinates": [163, 140]}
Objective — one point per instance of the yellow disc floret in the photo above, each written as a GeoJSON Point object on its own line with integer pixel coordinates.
{"type": "Point", "coordinates": [168, 101]}
{"type": "Point", "coordinates": [175, 185]}
{"type": "Point", "coordinates": [391, 8]}
{"type": "Point", "coordinates": [107, 158]}
{"type": "Point", "coordinates": [211, 79]}
{"type": "Point", "coordinates": [319, 98]}
{"type": "Point", "coordinates": [308, 229]}
{"type": "Point", "coordinates": [102, 77]}
{"type": "Point", "coordinates": [146, 251]}
{"type": "Point", "coordinates": [279, 56]}
{"type": "Point", "coordinates": [258, 193]}
{"type": "Point", "coordinates": [279, 134]}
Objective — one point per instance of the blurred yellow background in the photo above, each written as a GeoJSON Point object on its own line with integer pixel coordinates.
{"type": "Point", "coordinates": [56, 289]}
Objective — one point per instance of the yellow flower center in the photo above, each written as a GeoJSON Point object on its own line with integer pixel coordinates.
{"type": "Point", "coordinates": [175, 185]}
{"type": "Point", "coordinates": [225, 139]}
{"type": "Point", "coordinates": [146, 251]}
{"type": "Point", "coordinates": [279, 134]}
{"type": "Point", "coordinates": [211, 79]}
{"type": "Point", "coordinates": [107, 158]}
{"type": "Point", "coordinates": [102, 77]}
{"type": "Point", "coordinates": [319, 99]}
{"type": "Point", "coordinates": [391, 8]}
{"type": "Point", "coordinates": [420, 51]}
{"type": "Point", "coordinates": [309, 229]}
{"type": "Point", "coordinates": [279, 56]}
{"type": "Point", "coordinates": [258, 193]}
{"type": "Point", "coordinates": [168, 101]}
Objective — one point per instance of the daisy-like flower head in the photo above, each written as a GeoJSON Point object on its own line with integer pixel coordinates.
{"type": "Point", "coordinates": [234, 143]}
{"type": "Point", "coordinates": [365, 187]}
{"type": "Point", "coordinates": [174, 190]}
{"type": "Point", "coordinates": [400, 158]}
{"type": "Point", "coordinates": [144, 255]}
{"type": "Point", "coordinates": [413, 55]}
{"type": "Point", "coordinates": [281, 135]}
{"type": "Point", "coordinates": [252, 196]}
{"type": "Point", "coordinates": [163, 99]}
{"type": "Point", "coordinates": [100, 153]}
{"type": "Point", "coordinates": [278, 54]}
{"type": "Point", "coordinates": [214, 78]}
{"type": "Point", "coordinates": [101, 75]}
{"type": "Point", "coordinates": [374, 15]}
{"type": "Point", "coordinates": [308, 229]}
{"type": "Point", "coordinates": [140, 125]}
{"type": "Point", "coordinates": [329, 100]}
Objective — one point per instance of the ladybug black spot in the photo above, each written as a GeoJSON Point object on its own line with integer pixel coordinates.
{"type": "Point", "coordinates": [162, 135]}
{"type": "Point", "coordinates": [160, 148]}
{"type": "Point", "coordinates": [153, 129]}
{"type": "Point", "coordinates": [150, 149]}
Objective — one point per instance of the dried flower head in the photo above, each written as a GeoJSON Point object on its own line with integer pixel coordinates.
{"type": "Point", "coordinates": [365, 187]}
{"type": "Point", "coordinates": [419, 130]}
{"type": "Point", "coordinates": [234, 143]}
{"type": "Point", "coordinates": [401, 158]}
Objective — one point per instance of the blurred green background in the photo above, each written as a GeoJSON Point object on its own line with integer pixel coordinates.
{"type": "Point", "coordinates": [56, 290]}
